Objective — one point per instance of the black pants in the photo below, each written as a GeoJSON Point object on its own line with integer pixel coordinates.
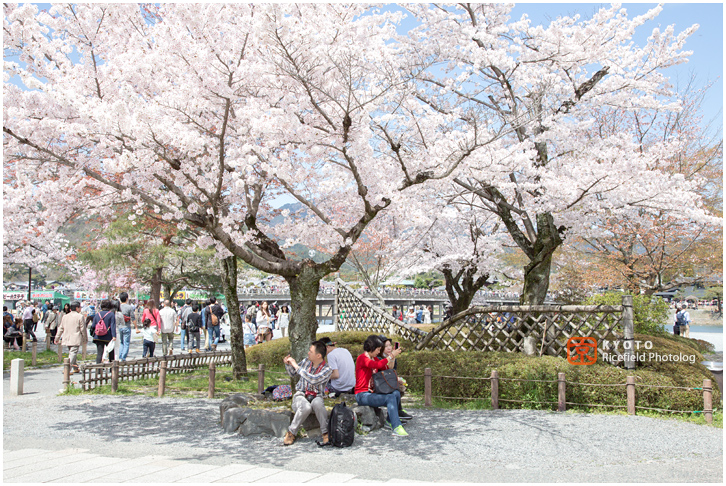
{"type": "Point", "coordinates": [149, 347]}
{"type": "Point", "coordinates": [28, 325]}
{"type": "Point", "coordinates": [13, 341]}
{"type": "Point", "coordinates": [100, 346]}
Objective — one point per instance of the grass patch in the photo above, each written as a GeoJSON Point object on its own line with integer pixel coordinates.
{"type": "Point", "coordinates": [193, 384]}
{"type": "Point", "coordinates": [43, 358]}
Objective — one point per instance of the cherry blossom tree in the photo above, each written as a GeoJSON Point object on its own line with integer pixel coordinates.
{"type": "Point", "coordinates": [202, 115]}
{"type": "Point", "coordinates": [649, 252]}
{"type": "Point", "coordinates": [541, 87]}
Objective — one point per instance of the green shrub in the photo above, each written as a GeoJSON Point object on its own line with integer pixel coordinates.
{"type": "Point", "coordinates": [513, 366]}
{"type": "Point", "coordinates": [272, 352]}
{"type": "Point", "coordinates": [650, 312]}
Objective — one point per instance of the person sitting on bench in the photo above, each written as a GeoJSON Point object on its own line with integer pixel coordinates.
{"type": "Point", "coordinates": [314, 375]}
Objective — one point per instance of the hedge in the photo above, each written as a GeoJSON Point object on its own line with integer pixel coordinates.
{"type": "Point", "coordinates": [519, 366]}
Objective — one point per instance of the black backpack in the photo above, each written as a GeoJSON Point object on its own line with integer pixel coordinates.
{"type": "Point", "coordinates": [341, 426]}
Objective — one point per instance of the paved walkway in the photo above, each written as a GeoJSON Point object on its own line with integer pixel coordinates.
{"type": "Point", "coordinates": [103, 438]}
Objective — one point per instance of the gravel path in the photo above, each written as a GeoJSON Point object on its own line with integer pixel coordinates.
{"type": "Point", "coordinates": [444, 445]}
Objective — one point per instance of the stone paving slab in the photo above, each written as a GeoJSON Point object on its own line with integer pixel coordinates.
{"type": "Point", "coordinates": [250, 476]}
{"type": "Point", "coordinates": [334, 478]}
{"type": "Point", "coordinates": [92, 475]}
{"type": "Point", "coordinates": [284, 477]}
{"type": "Point", "coordinates": [217, 473]}
{"type": "Point", "coordinates": [175, 473]}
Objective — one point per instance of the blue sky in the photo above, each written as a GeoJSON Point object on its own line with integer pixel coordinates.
{"type": "Point", "coordinates": [706, 62]}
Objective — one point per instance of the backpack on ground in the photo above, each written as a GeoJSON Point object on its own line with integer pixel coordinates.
{"type": "Point", "coordinates": [341, 426]}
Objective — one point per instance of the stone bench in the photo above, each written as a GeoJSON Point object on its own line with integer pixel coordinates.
{"type": "Point", "coordinates": [237, 417]}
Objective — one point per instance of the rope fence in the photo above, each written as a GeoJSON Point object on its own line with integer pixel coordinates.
{"type": "Point", "coordinates": [562, 403]}
{"type": "Point", "coordinates": [151, 367]}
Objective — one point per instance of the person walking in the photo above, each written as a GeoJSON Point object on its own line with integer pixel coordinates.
{"type": "Point", "coordinates": [168, 328]}
{"type": "Point", "coordinates": [103, 330]}
{"type": "Point", "coordinates": [52, 319]}
{"type": "Point", "coordinates": [123, 328]}
{"type": "Point", "coordinates": [28, 321]}
{"type": "Point", "coordinates": [264, 332]}
{"type": "Point", "coordinates": [683, 321]}
{"type": "Point", "coordinates": [194, 325]}
{"type": "Point", "coordinates": [214, 313]}
{"type": "Point", "coordinates": [72, 333]}
{"type": "Point", "coordinates": [283, 319]}
{"type": "Point", "coordinates": [184, 313]}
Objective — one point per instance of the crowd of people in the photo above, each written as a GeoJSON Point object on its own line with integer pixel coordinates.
{"type": "Point", "coordinates": [330, 368]}
{"type": "Point", "coordinates": [111, 325]}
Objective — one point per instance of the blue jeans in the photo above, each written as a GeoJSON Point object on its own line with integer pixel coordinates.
{"type": "Point", "coordinates": [214, 334]}
{"type": "Point", "coordinates": [124, 336]}
{"type": "Point", "coordinates": [392, 401]}
{"type": "Point", "coordinates": [183, 335]}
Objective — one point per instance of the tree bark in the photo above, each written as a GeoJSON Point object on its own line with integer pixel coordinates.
{"type": "Point", "coordinates": [537, 272]}
{"type": "Point", "coordinates": [156, 286]}
{"type": "Point", "coordinates": [236, 331]}
{"type": "Point", "coordinates": [303, 322]}
{"type": "Point", "coordinates": [462, 287]}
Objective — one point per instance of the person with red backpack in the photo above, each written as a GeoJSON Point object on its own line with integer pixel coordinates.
{"type": "Point", "coordinates": [103, 329]}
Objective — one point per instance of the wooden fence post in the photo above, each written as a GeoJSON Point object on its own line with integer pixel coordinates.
{"type": "Point", "coordinates": [261, 379]}
{"type": "Point", "coordinates": [162, 378]}
{"type": "Point", "coordinates": [629, 333]}
{"type": "Point", "coordinates": [60, 353]}
{"type": "Point", "coordinates": [47, 341]}
{"type": "Point", "coordinates": [212, 373]}
{"type": "Point", "coordinates": [34, 361]}
{"type": "Point", "coordinates": [25, 342]}
{"type": "Point", "coordinates": [66, 373]}
{"type": "Point", "coordinates": [561, 392]}
{"type": "Point", "coordinates": [114, 376]}
{"type": "Point", "coordinates": [707, 405]}
{"type": "Point", "coordinates": [630, 392]}
{"type": "Point", "coordinates": [495, 389]}
{"type": "Point", "coordinates": [427, 387]}
{"type": "Point", "coordinates": [84, 351]}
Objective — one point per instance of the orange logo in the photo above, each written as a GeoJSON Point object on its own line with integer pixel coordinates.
{"type": "Point", "coordinates": [582, 350]}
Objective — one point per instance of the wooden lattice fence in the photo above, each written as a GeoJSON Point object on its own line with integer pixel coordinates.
{"type": "Point", "coordinates": [356, 313]}
{"type": "Point", "coordinates": [532, 329]}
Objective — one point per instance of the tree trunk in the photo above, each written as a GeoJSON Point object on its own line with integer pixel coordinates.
{"type": "Point", "coordinates": [462, 287]}
{"type": "Point", "coordinates": [236, 332]}
{"type": "Point", "coordinates": [156, 286]}
{"type": "Point", "coordinates": [303, 323]}
{"type": "Point", "coordinates": [537, 272]}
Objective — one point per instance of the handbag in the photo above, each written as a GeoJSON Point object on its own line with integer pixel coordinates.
{"type": "Point", "coordinates": [385, 382]}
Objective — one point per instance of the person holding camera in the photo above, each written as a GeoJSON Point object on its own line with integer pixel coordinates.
{"type": "Point", "coordinates": [365, 366]}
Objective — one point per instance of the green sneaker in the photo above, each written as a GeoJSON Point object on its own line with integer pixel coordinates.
{"type": "Point", "coordinates": [400, 432]}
